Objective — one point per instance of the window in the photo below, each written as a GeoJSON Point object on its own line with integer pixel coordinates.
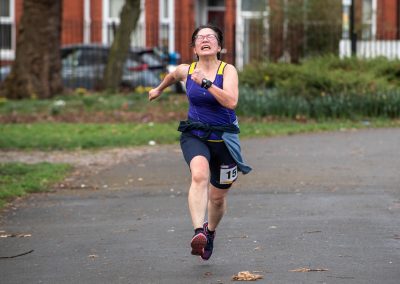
{"type": "Point", "coordinates": [216, 3]}
{"type": "Point", "coordinates": [6, 24]}
{"type": "Point", "coordinates": [346, 20]}
{"type": "Point", "coordinates": [5, 8]}
{"type": "Point", "coordinates": [111, 15]}
{"type": "Point", "coordinates": [398, 19]}
{"type": "Point", "coordinates": [252, 36]}
{"type": "Point", "coordinates": [366, 20]}
{"type": "Point", "coordinates": [167, 39]}
{"type": "Point", "coordinates": [254, 33]}
{"type": "Point", "coordinates": [215, 12]}
{"type": "Point", "coordinates": [164, 10]}
{"type": "Point", "coordinates": [115, 8]}
{"type": "Point", "coordinates": [254, 6]}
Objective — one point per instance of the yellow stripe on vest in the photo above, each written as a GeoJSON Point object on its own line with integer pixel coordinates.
{"type": "Point", "coordinates": [221, 68]}
{"type": "Point", "coordinates": [191, 68]}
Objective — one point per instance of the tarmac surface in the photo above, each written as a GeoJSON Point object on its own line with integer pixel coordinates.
{"type": "Point", "coordinates": [327, 201]}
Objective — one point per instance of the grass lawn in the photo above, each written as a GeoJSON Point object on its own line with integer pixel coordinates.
{"type": "Point", "coordinates": [68, 136]}
{"type": "Point", "coordinates": [18, 179]}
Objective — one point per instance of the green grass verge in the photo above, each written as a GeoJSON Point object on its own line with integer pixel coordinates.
{"type": "Point", "coordinates": [91, 103]}
{"type": "Point", "coordinates": [291, 127]}
{"type": "Point", "coordinates": [17, 179]}
{"type": "Point", "coordinates": [64, 136]}
{"type": "Point", "coordinates": [60, 136]}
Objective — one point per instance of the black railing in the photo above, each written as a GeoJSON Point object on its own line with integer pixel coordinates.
{"type": "Point", "coordinates": [257, 40]}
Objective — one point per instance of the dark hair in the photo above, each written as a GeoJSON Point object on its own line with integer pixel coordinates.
{"type": "Point", "coordinates": [217, 30]}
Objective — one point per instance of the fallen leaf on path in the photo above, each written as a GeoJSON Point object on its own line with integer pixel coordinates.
{"type": "Point", "coordinates": [307, 269]}
{"type": "Point", "coordinates": [246, 276]}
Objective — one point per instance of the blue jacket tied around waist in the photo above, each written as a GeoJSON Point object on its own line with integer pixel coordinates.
{"type": "Point", "coordinates": [230, 135]}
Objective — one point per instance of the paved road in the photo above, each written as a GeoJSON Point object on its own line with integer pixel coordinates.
{"type": "Point", "coordinates": [327, 200]}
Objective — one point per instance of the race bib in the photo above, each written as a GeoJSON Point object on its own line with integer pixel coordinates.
{"type": "Point", "coordinates": [228, 174]}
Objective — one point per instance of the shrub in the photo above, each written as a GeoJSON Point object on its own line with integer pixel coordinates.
{"type": "Point", "coordinates": [323, 76]}
{"type": "Point", "coordinates": [263, 103]}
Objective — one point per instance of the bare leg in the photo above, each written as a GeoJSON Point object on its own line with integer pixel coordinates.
{"type": "Point", "coordinates": [198, 192]}
{"type": "Point", "coordinates": [216, 206]}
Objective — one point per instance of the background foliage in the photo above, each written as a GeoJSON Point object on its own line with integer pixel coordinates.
{"type": "Point", "coordinates": [322, 87]}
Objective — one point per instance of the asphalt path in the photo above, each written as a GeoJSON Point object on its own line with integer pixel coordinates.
{"type": "Point", "coordinates": [328, 202]}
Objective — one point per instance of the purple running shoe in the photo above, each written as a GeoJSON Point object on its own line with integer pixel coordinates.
{"type": "Point", "coordinates": [208, 249]}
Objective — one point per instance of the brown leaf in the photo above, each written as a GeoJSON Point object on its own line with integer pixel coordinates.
{"type": "Point", "coordinates": [307, 269]}
{"type": "Point", "coordinates": [246, 276]}
{"type": "Point", "coordinates": [208, 274]}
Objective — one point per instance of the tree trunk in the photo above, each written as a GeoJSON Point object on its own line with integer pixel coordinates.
{"type": "Point", "coordinates": [36, 71]}
{"type": "Point", "coordinates": [120, 46]}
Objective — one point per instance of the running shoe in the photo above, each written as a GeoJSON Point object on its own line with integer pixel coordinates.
{"type": "Point", "coordinates": [198, 243]}
{"type": "Point", "coordinates": [210, 243]}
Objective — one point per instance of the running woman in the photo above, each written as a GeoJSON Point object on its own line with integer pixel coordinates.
{"type": "Point", "coordinates": [209, 139]}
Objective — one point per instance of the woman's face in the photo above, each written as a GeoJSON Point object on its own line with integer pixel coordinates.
{"type": "Point", "coordinates": [206, 43]}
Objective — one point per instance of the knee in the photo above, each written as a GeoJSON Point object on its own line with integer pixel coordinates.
{"type": "Point", "coordinates": [199, 177]}
{"type": "Point", "coordinates": [217, 201]}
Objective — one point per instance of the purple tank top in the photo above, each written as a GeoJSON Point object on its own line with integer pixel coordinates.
{"type": "Point", "coordinates": [203, 107]}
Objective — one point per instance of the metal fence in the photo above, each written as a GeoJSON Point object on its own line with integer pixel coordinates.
{"type": "Point", "coordinates": [254, 41]}
{"type": "Point", "coordinates": [291, 44]}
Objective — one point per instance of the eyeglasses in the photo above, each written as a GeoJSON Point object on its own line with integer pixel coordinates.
{"type": "Point", "coordinates": [210, 37]}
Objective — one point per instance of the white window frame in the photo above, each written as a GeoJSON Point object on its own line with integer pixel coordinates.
{"type": "Point", "coordinates": [107, 21]}
{"type": "Point", "coordinates": [138, 35]}
{"type": "Point", "coordinates": [241, 16]}
{"type": "Point", "coordinates": [169, 22]}
{"type": "Point", "coordinates": [374, 18]}
{"type": "Point", "coordinates": [367, 19]}
{"type": "Point", "coordinates": [86, 22]}
{"type": "Point", "coordinates": [203, 9]}
{"type": "Point", "coordinates": [9, 54]}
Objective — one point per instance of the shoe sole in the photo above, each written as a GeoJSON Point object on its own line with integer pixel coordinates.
{"type": "Point", "coordinates": [198, 244]}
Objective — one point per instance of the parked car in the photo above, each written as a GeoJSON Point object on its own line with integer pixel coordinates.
{"type": "Point", "coordinates": [158, 62]}
{"type": "Point", "coordinates": [83, 66]}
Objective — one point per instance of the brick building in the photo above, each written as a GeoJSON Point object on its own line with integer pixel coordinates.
{"type": "Point", "coordinates": [377, 25]}
{"type": "Point", "coordinates": [169, 24]}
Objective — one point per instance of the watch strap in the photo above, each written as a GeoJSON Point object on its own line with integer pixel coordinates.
{"type": "Point", "coordinates": [206, 83]}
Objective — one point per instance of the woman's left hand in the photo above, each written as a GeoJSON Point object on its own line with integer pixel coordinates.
{"type": "Point", "coordinates": [198, 76]}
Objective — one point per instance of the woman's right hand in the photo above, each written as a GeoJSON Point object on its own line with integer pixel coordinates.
{"type": "Point", "coordinates": [154, 93]}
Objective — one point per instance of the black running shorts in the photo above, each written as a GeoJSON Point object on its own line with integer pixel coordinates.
{"type": "Point", "coordinates": [223, 168]}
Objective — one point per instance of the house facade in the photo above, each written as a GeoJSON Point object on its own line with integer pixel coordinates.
{"type": "Point", "coordinates": [377, 25]}
{"type": "Point", "coordinates": [168, 24]}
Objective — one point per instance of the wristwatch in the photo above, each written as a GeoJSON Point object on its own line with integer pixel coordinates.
{"type": "Point", "coordinates": [206, 83]}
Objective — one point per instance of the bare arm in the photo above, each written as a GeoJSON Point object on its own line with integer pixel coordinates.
{"type": "Point", "coordinates": [179, 74]}
{"type": "Point", "coordinates": [228, 96]}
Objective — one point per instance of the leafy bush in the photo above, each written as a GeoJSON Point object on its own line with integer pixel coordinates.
{"type": "Point", "coordinates": [262, 103]}
{"type": "Point", "coordinates": [321, 76]}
